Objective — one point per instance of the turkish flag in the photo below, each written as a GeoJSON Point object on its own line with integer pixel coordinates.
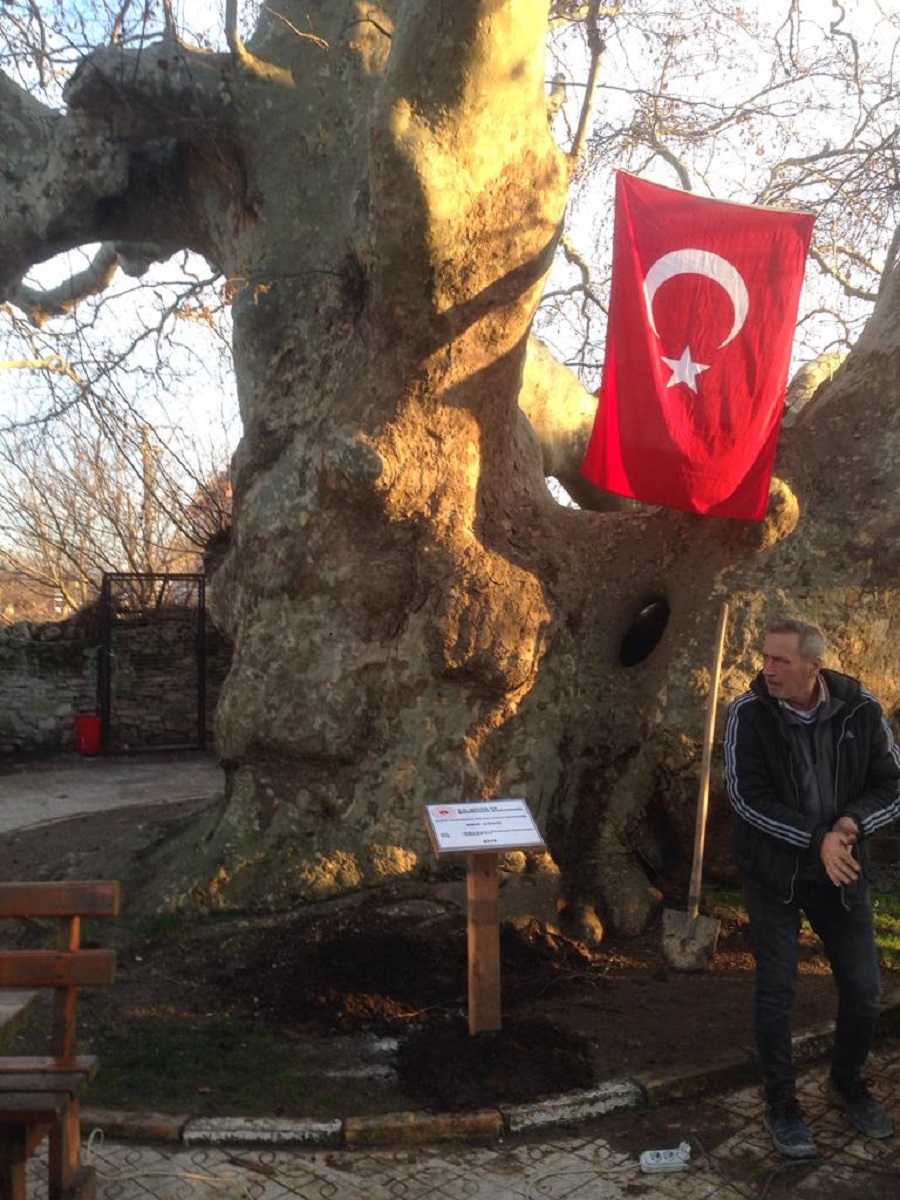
{"type": "Point", "coordinates": [702, 314]}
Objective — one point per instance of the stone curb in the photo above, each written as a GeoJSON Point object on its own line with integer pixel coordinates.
{"type": "Point", "coordinates": [401, 1129]}
{"type": "Point", "coordinates": [573, 1107]}
{"type": "Point", "coordinates": [735, 1070]}
{"type": "Point", "coordinates": [262, 1131]}
{"type": "Point", "coordinates": [417, 1128]}
{"type": "Point", "coordinates": [135, 1126]}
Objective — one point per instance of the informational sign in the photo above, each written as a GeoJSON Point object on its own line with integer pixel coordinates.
{"type": "Point", "coordinates": [488, 826]}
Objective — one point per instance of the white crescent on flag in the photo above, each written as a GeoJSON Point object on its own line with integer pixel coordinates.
{"type": "Point", "coordinates": [700, 262]}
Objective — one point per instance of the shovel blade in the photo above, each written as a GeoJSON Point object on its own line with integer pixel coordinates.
{"type": "Point", "coordinates": [688, 942]}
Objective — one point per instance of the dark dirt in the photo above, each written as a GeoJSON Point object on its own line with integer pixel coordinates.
{"type": "Point", "coordinates": [393, 964]}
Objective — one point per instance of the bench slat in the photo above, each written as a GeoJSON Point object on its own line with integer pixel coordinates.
{"type": "Point", "coordinates": [39, 1094]}
{"type": "Point", "coordinates": [72, 898]}
{"type": "Point", "coordinates": [32, 1107]}
{"type": "Point", "coordinates": [85, 1064]}
{"type": "Point", "coordinates": [56, 968]}
{"type": "Point", "coordinates": [71, 1082]}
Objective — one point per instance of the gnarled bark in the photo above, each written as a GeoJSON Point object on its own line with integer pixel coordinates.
{"type": "Point", "coordinates": [413, 617]}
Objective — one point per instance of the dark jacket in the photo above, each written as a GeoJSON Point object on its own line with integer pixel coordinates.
{"type": "Point", "coordinates": [773, 837]}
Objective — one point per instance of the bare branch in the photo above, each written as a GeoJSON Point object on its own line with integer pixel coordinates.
{"type": "Point", "coordinates": [70, 180]}
{"type": "Point", "coordinates": [677, 165]}
{"type": "Point", "coordinates": [566, 12]}
{"type": "Point", "coordinates": [893, 250]}
{"type": "Point", "coordinates": [36, 364]}
{"type": "Point", "coordinates": [171, 27]}
{"type": "Point", "coordinates": [232, 34]}
{"type": "Point", "coordinates": [42, 304]}
{"type": "Point", "coordinates": [115, 36]}
{"type": "Point", "coordinates": [596, 45]}
{"type": "Point", "coordinates": [244, 58]}
{"type": "Point", "coordinates": [837, 31]}
{"type": "Point", "coordinates": [849, 288]}
{"type": "Point", "coordinates": [578, 261]}
{"type": "Point", "coordinates": [561, 413]}
{"type": "Point", "coordinates": [308, 37]}
{"type": "Point", "coordinates": [40, 53]}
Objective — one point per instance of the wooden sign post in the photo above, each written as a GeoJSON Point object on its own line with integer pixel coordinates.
{"type": "Point", "coordinates": [483, 935]}
{"type": "Point", "coordinates": [480, 830]}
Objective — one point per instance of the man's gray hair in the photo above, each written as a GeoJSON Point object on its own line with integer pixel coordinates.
{"type": "Point", "coordinates": [812, 640]}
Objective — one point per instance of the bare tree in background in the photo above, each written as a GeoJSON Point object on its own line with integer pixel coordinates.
{"type": "Point", "coordinates": [77, 500]}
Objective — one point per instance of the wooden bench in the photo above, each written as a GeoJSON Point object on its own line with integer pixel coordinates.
{"type": "Point", "coordinates": [39, 1095]}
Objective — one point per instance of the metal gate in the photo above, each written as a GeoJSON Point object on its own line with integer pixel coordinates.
{"type": "Point", "coordinates": [152, 663]}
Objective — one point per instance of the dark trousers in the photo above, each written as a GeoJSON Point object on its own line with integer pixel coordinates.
{"type": "Point", "coordinates": [843, 922]}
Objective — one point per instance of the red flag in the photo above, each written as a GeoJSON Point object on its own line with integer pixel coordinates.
{"type": "Point", "coordinates": [702, 314]}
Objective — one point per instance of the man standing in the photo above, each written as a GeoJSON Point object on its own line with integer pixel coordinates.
{"type": "Point", "coordinates": [812, 771]}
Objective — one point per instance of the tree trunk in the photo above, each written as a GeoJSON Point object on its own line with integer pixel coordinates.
{"type": "Point", "coordinates": [414, 619]}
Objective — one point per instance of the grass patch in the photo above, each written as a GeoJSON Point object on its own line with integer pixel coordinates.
{"type": "Point", "coordinates": [886, 913]}
{"type": "Point", "coordinates": [216, 1066]}
{"type": "Point", "coordinates": [203, 1067]}
{"type": "Point", "coordinates": [725, 902]}
{"type": "Point", "coordinates": [729, 902]}
{"type": "Point", "coordinates": [155, 930]}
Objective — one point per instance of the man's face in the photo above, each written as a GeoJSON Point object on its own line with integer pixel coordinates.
{"type": "Point", "coordinates": [788, 675]}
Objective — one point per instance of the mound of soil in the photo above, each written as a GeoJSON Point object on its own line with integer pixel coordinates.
{"type": "Point", "coordinates": [392, 965]}
{"type": "Point", "coordinates": [398, 969]}
{"type": "Point", "coordinates": [572, 1015]}
{"type": "Point", "coordinates": [526, 1059]}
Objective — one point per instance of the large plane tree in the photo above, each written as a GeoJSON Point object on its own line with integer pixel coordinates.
{"type": "Point", "coordinates": [414, 617]}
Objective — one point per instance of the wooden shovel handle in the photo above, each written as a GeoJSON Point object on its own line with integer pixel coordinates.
{"type": "Point", "coordinates": [703, 797]}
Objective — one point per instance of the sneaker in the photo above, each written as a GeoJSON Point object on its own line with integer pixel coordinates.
{"type": "Point", "coordinates": [867, 1115]}
{"type": "Point", "coordinates": [790, 1133]}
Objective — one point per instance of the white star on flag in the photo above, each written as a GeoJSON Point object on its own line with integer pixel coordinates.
{"type": "Point", "coordinates": [684, 369]}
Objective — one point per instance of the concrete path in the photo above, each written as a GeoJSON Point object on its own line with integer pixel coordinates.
{"type": "Point", "coordinates": [731, 1155]}
{"type": "Point", "coordinates": [73, 786]}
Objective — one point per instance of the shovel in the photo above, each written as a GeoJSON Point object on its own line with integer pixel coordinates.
{"type": "Point", "coordinates": [689, 940]}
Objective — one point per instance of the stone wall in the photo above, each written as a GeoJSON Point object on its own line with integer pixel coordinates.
{"type": "Point", "coordinates": [154, 684]}
{"type": "Point", "coordinates": [48, 676]}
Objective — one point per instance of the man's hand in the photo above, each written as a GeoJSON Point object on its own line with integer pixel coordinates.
{"type": "Point", "coordinates": [849, 828]}
{"type": "Point", "coordinates": [837, 852]}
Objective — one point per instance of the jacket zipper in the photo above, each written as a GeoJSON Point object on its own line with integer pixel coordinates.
{"type": "Point", "coordinates": [837, 751]}
{"type": "Point", "coordinates": [845, 903]}
{"type": "Point", "coordinates": [790, 759]}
